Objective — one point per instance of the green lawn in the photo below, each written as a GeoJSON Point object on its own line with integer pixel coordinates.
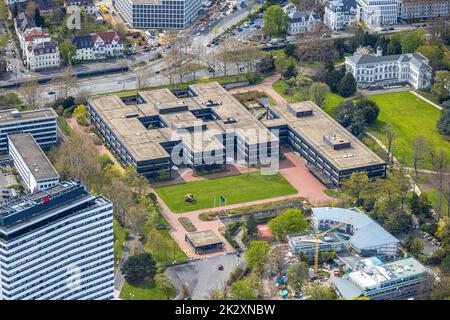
{"type": "Point", "coordinates": [235, 189]}
{"type": "Point", "coordinates": [410, 117]}
{"type": "Point", "coordinates": [332, 101]}
{"type": "Point", "coordinates": [145, 291]}
{"type": "Point", "coordinates": [120, 235]}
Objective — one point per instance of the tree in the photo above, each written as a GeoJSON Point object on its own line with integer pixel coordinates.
{"type": "Point", "coordinates": [319, 92]}
{"type": "Point", "coordinates": [434, 53]}
{"type": "Point", "coordinates": [445, 264]}
{"type": "Point", "coordinates": [441, 290]}
{"type": "Point", "coordinates": [68, 51]}
{"type": "Point", "coordinates": [30, 92]}
{"type": "Point", "coordinates": [420, 152]}
{"type": "Point", "coordinates": [251, 225]}
{"type": "Point", "coordinates": [164, 284]}
{"type": "Point", "coordinates": [275, 22]}
{"type": "Point", "coordinates": [243, 290]}
{"type": "Point", "coordinates": [139, 267]}
{"type": "Point", "coordinates": [347, 85]}
{"type": "Point", "coordinates": [390, 136]}
{"type": "Point", "coordinates": [410, 41]}
{"type": "Point", "coordinates": [414, 246]}
{"type": "Point", "coordinates": [369, 108]}
{"type": "Point", "coordinates": [277, 259]}
{"type": "Point", "coordinates": [290, 221]}
{"type": "Point", "coordinates": [320, 292]}
{"type": "Point", "coordinates": [80, 114]}
{"type": "Point", "coordinates": [353, 187]}
{"type": "Point", "coordinates": [443, 124]}
{"type": "Point", "coordinates": [441, 85]}
{"type": "Point", "coordinates": [257, 255]}
{"type": "Point", "coordinates": [394, 46]}
{"type": "Point", "coordinates": [298, 275]}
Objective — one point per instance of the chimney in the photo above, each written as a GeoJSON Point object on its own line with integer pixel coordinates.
{"type": "Point", "coordinates": [379, 52]}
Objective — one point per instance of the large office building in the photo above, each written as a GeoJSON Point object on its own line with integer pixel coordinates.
{"type": "Point", "coordinates": [331, 152]}
{"type": "Point", "coordinates": [158, 14]}
{"type": "Point", "coordinates": [340, 13]}
{"type": "Point", "coordinates": [365, 236]}
{"type": "Point", "coordinates": [204, 127]}
{"type": "Point", "coordinates": [401, 279]}
{"type": "Point", "coordinates": [414, 9]}
{"type": "Point", "coordinates": [57, 244]}
{"type": "Point", "coordinates": [306, 244]}
{"type": "Point", "coordinates": [376, 70]}
{"type": "Point", "coordinates": [375, 13]}
{"type": "Point", "coordinates": [41, 123]}
{"type": "Point", "coordinates": [31, 163]}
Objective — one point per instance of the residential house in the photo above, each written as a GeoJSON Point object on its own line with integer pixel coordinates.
{"type": "Point", "coordinates": [302, 21]}
{"type": "Point", "coordinates": [340, 14]}
{"type": "Point", "coordinates": [43, 55]}
{"type": "Point", "coordinates": [98, 46]}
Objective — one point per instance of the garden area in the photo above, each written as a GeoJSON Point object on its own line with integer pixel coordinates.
{"type": "Point", "coordinates": [234, 189]}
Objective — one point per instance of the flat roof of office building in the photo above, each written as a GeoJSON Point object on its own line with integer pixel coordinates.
{"type": "Point", "coordinates": [16, 115]}
{"type": "Point", "coordinates": [33, 156]}
{"type": "Point", "coordinates": [126, 120]}
{"type": "Point", "coordinates": [203, 239]}
{"type": "Point", "coordinates": [316, 126]}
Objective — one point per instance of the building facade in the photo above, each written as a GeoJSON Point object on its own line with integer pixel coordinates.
{"type": "Point", "coordinates": [98, 46]}
{"type": "Point", "coordinates": [31, 163]}
{"type": "Point", "coordinates": [42, 56]}
{"type": "Point", "coordinates": [375, 13]}
{"type": "Point", "coordinates": [160, 14]}
{"type": "Point", "coordinates": [57, 245]}
{"type": "Point", "coordinates": [41, 123]}
{"type": "Point", "coordinates": [302, 21]}
{"type": "Point", "coordinates": [340, 13]}
{"type": "Point", "coordinates": [413, 9]}
{"type": "Point", "coordinates": [378, 70]}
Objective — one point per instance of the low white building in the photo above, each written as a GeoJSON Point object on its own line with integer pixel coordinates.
{"type": "Point", "coordinates": [302, 21]}
{"type": "Point", "coordinates": [378, 70]}
{"type": "Point", "coordinates": [31, 163]}
{"type": "Point", "coordinates": [340, 14]}
{"type": "Point", "coordinates": [43, 55]}
{"type": "Point", "coordinates": [413, 9]}
{"type": "Point", "coordinates": [98, 46]}
{"type": "Point", "coordinates": [375, 13]}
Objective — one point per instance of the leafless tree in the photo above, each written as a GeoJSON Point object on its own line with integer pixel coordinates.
{"type": "Point", "coordinates": [30, 92]}
{"type": "Point", "coordinates": [420, 152]}
{"type": "Point", "coordinates": [390, 136]}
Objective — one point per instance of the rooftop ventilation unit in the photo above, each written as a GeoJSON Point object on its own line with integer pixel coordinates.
{"type": "Point", "coordinates": [15, 113]}
{"type": "Point", "coordinates": [212, 103]}
{"type": "Point", "coordinates": [229, 120]}
{"type": "Point", "coordinates": [300, 110]}
{"type": "Point", "coordinates": [337, 142]}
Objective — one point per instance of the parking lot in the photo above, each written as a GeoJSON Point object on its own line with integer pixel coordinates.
{"type": "Point", "coordinates": [203, 275]}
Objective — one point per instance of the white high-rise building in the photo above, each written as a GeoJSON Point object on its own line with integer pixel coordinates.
{"type": "Point", "coordinates": [57, 244]}
{"type": "Point", "coordinates": [376, 13]}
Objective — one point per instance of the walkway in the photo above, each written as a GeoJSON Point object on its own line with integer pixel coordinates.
{"type": "Point", "coordinates": [426, 100]}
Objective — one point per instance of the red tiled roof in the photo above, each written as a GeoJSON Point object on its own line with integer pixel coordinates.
{"type": "Point", "coordinates": [31, 34]}
{"type": "Point", "coordinates": [107, 37]}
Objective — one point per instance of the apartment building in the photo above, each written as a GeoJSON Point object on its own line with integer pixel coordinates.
{"type": "Point", "coordinates": [40, 123]}
{"type": "Point", "coordinates": [340, 13]}
{"type": "Point", "coordinates": [302, 21]}
{"type": "Point", "coordinates": [377, 70]}
{"type": "Point", "coordinates": [31, 163]}
{"type": "Point", "coordinates": [158, 14]}
{"type": "Point", "coordinates": [375, 13]}
{"type": "Point", "coordinates": [42, 56]}
{"type": "Point", "coordinates": [98, 45]}
{"type": "Point", "coordinates": [413, 9]}
{"type": "Point", "coordinates": [30, 36]}
{"type": "Point", "coordinates": [57, 244]}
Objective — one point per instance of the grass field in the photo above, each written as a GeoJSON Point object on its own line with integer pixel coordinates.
{"type": "Point", "coordinates": [145, 291]}
{"type": "Point", "coordinates": [410, 117]}
{"type": "Point", "coordinates": [235, 189]}
{"type": "Point", "coordinates": [120, 235]}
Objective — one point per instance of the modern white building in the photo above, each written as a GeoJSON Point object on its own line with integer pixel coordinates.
{"type": "Point", "coordinates": [31, 163]}
{"type": "Point", "coordinates": [413, 9]}
{"type": "Point", "coordinates": [366, 236]}
{"type": "Point", "coordinates": [302, 21]}
{"type": "Point", "coordinates": [57, 244]}
{"type": "Point", "coordinates": [340, 14]}
{"type": "Point", "coordinates": [375, 13]}
{"type": "Point", "coordinates": [98, 45]}
{"type": "Point", "coordinates": [41, 123]}
{"type": "Point", "coordinates": [158, 14]}
{"type": "Point", "coordinates": [378, 70]}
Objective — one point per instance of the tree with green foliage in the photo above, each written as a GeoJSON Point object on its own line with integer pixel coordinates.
{"type": "Point", "coordinates": [420, 206]}
{"type": "Point", "coordinates": [243, 290]}
{"type": "Point", "coordinates": [318, 93]}
{"type": "Point", "coordinates": [434, 53]}
{"type": "Point", "coordinates": [412, 40]}
{"type": "Point", "coordinates": [441, 85]}
{"type": "Point", "coordinates": [394, 46]}
{"type": "Point", "coordinates": [257, 255]}
{"type": "Point", "coordinates": [347, 85]}
{"type": "Point", "coordinates": [320, 292]}
{"type": "Point", "coordinates": [284, 62]}
{"type": "Point", "coordinates": [164, 284]}
{"type": "Point", "coordinates": [369, 108]}
{"type": "Point", "coordinates": [414, 246]}
{"type": "Point", "coordinates": [139, 267]}
{"type": "Point", "coordinates": [443, 124]}
{"type": "Point", "coordinates": [441, 290]}
{"type": "Point", "coordinates": [290, 221]}
{"type": "Point", "coordinates": [445, 264]}
{"type": "Point", "coordinates": [80, 114]}
{"type": "Point", "coordinates": [68, 51]}
{"type": "Point", "coordinates": [275, 22]}
{"type": "Point", "coordinates": [251, 225]}
{"type": "Point", "coordinates": [298, 275]}
{"type": "Point", "coordinates": [105, 161]}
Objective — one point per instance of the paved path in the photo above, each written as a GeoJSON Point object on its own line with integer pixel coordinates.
{"type": "Point", "coordinates": [426, 100]}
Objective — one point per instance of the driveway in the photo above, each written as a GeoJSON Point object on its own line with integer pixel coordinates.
{"type": "Point", "coordinates": [202, 275]}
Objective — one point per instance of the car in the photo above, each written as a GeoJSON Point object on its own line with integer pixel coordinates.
{"type": "Point", "coordinates": [157, 72]}
{"type": "Point", "coordinates": [51, 93]}
{"type": "Point", "coordinates": [220, 267]}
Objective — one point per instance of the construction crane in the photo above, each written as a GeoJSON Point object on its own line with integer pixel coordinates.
{"type": "Point", "coordinates": [317, 238]}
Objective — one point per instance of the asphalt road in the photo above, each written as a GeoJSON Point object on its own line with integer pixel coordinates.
{"type": "Point", "coordinates": [201, 276]}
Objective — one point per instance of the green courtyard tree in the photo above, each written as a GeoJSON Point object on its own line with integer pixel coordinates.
{"type": "Point", "coordinates": [243, 290]}
{"type": "Point", "coordinates": [139, 267]}
{"type": "Point", "coordinates": [347, 86]}
{"type": "Point", "coordinates": [80, 114]}
{"type": "Point", "coordinates": [414, 246]}
{"type": "Point", "coordinates": [164, 284]}
{"type": "Point", "coordinates": [290, 221]}
{"type": "Point", "coordinates": [318, 93]}
{"type": "Point", "coordinates": [320, 292]}
{"type": "Point", "coordinates": [257, 255]}
{"type": "Point", "coordinates": [298, 274]}
{"type": "Point", "coordinates": [353, 187]}
{"type": "Point", "coordinates": [275, 22]}
{"type": "Point", "coordinates": [68, 51]}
